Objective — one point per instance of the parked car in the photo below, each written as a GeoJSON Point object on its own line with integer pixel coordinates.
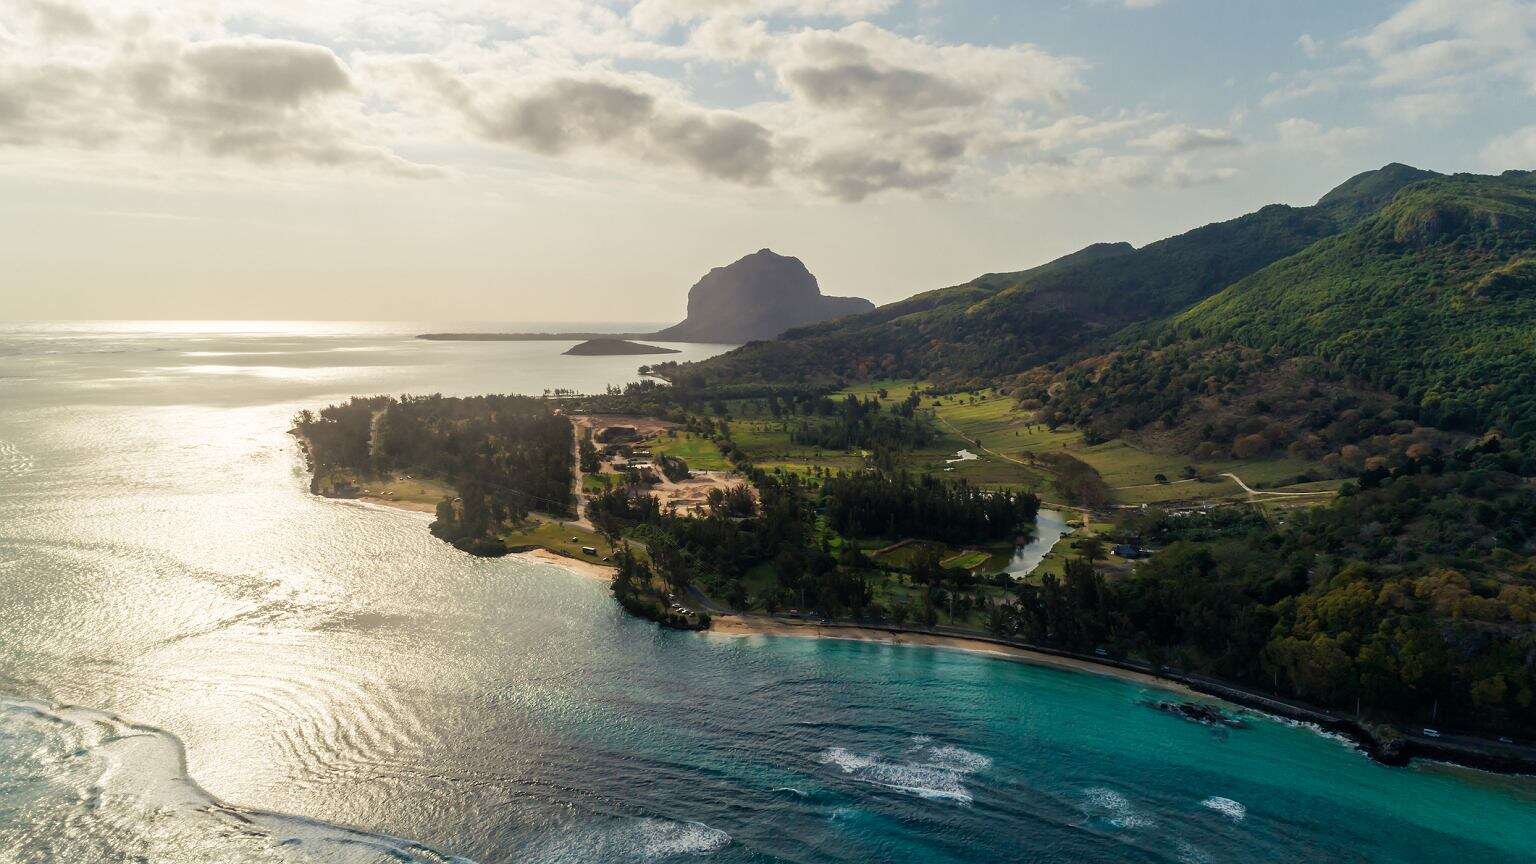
{"type": "Point", "coordinates": [1431, 733]}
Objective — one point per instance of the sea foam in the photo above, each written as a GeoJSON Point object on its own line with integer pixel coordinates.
{"type": "Point", "coordinates": [1112, 807]}
{"type": "Point", "coordinates": [925, 770]}
{"type": "Point", "coordinates": [1226, 807]}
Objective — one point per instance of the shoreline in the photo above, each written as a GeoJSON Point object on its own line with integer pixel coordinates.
{"type": "Point", "coordinates": [1399, 747]}
{"type": "Point", "coordinates": [737, 626]}
{"type": "Point", "coordinates": [586, 569]}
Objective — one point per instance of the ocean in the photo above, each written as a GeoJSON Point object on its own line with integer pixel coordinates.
{"type": "Point", "coordinates": [199, 661]}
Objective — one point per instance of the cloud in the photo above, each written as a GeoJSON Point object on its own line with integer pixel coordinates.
{"type": "Point", "coordinates": [1300, 133]}
{"type": "Point", "coordinates": [1449, 42]}
{"type": "Point", "coordinates": [57, 19]}
{"type": "Point", "coordinates": [138, 89]}
{"type": "Point", "coordinates": [1516, 150]}
{"type": "Point", "coordinates": [852, 176]}
{"type": "Point", "coordinates": [1304, 85]}
{"type": "Point", "coordinates": [1096, 171]}
{"type": "Point", "coordinates": [266, 71]}
{"type": "Point", "coordinates": [1308, 45]}
{"type": "Point", "coordinates": [851, 112]}
{"type": "Point", "coordinates": [654, 15]}
{"type": "Point", "coordinates": [1180, 138]}
{"type": "Point", "coordinates": [867, 87]}
{"type": "Point", "coordinates": [837, 106]}
{"type": "Point", "coordinates": [557, 116]}
{"type": "Point", "coordinates": [1433, 107]}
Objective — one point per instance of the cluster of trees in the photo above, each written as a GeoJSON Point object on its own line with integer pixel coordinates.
{"type": "Point", "coordinates": [643, 590]}
{"type": "Point", "coordinates": [1078, 481]}
{"type": "Point", "coordinates": [863, 424]}
{"type": "Point", "coordinates": [739, 535]}
{"type": "Point", "coordinates": [504, 455]}
{"type": "Point", "coordinates": [1411, 597]}
{"type": "Point", "coordinates": [875, 504]}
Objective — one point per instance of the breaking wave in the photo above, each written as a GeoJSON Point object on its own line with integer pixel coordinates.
{"type": "Point", "coordinates": [1226, 807]}
{"type": "Point", "coordinates": [1113, 808]}
{"type": "Point", "coordinates": [925, 770]}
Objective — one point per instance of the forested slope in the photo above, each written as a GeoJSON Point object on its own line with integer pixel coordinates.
{"type": "Point", "coordinates": [1003, 324]}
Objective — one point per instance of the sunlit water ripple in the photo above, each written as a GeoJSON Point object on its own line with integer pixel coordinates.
{"type": "Point", "coordinates": [336, 678]}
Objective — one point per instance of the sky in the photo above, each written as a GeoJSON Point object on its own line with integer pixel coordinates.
{"type": "Point", "coordinates": [561, 160]}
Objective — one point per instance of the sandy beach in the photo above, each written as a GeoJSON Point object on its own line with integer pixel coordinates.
{"type": "Point", "coordinates": [737, 626]}
{"type": "Point", "coordinates": [412, 506]}
{"type": "Point", "coordinates": [589, 569]}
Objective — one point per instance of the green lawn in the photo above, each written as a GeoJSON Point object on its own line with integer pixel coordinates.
{"type": "Point", "coordinates": [768, 444]}
{"type": "Point", "coordinates": [556, 537]}
{"type": "Point", "coordinates": [896, 390]}
{"type": "Point", "coordinates": [1127, 469]}
{"type": "Point", "coordinates": [699, 452]}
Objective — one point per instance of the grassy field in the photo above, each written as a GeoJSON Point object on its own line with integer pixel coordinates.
{"type": "Point", "coordinates": [699, 452]}
{"type": "Point", "coordinates": [1130, 471]}
{"type": "Point", "coordinates": [895, 390]}
{"type": "Point", "coordinates": [405, 490]}
{"type": "Point", "coordinates": [556, 537]}
{"type": "Point", "coordinates": [768, 444]}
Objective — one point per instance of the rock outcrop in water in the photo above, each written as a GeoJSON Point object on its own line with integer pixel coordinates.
{"type": "Point", "coordinates": [615, 348]}
{"type": "Point", "coordinates": [1198, 712]}
{"type": "Point", "coordinates": [758, 297]}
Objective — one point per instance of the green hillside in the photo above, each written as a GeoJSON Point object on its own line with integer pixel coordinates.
{"type": "Point", "coordinates": [1422, 317]}
{"type": "Point", "coordinates": [1002, 324]}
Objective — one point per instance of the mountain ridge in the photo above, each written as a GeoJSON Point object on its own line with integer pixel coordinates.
{"type": "Point", "coordinates": [1003, 324]}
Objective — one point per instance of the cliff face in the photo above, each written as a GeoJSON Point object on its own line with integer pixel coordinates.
{"type": "Point", "coordinates": [758, 297]}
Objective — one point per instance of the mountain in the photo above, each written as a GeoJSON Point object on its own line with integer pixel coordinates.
{"type": "Point", "coordinates": [1002, 324]}
{"type": "Point", "coordinates": [1416, 323]}
{"type": "Point", "coordinates": [757, 297]}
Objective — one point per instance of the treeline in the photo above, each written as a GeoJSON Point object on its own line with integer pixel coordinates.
{"type": "Point", "coordinates": [754, 548]}
{"type": "Point", "coordinates": [1412, 597]}
{"type": "Point", "coordinates": [504, 455]}
{"type": "Point", "coordinates": [870, 504]}
{"type": "Point", "coordinates": [860, 423]}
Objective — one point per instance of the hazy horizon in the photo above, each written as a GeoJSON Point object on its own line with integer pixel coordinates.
{"type": "Point", "coordinates": [559, 160]}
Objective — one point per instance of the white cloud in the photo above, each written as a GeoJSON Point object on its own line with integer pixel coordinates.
{"type": "Point", "coordinates": [614, 114]}
{"type": "Point", "coordinates": [1181, 138]}
{"type": "Point", "coordinates": [129, 86]}
{"type": "Point", "coordinates": [845, 109]}
{"type": "Point", "coordinates": [1516, 150]}
{"type": "Point", "coordinates": [1447, 42]}
{"type": "Point", "coordinates": [654, 15]}
{"type": "Point", "coordinates": [1308, 45]}
{"type": "Point", "coordinates": [1300, 133]}
{"type": "Point", "coordinates": [1434, 108]}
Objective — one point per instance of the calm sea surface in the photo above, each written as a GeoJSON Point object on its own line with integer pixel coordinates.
{"type": "Point", "coordinates": [201, 662]}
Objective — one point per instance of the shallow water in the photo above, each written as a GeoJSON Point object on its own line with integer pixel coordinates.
{"type": "Point", "coordinates": [1050, 527]}
{"type": "Point", "coordinates": [327, 664]}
